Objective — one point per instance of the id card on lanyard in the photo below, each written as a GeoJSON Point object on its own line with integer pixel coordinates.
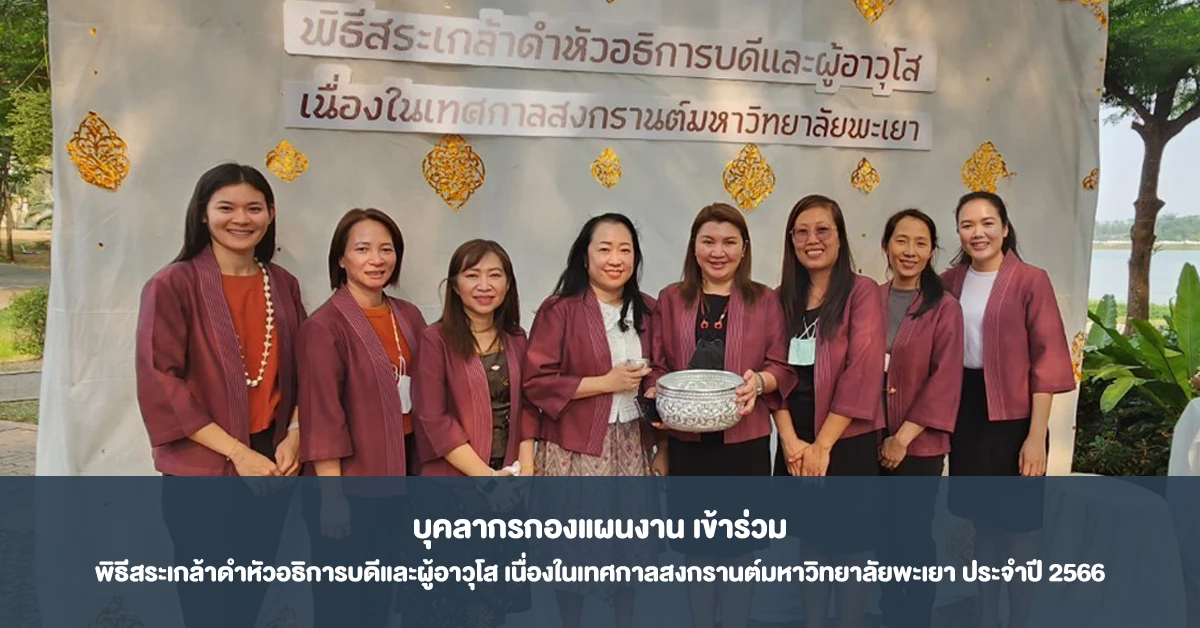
{"type": "Point", "coordinates": [403, 381]}
{"type": "Point", "coordinates": [802, 351]}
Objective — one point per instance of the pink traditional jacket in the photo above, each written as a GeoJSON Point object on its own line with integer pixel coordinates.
{"type": "Point", "coordinates": [924, 374]}
{"type": "Point", "coordinates": [755, 340]}
{"type": "Point", "coordinates": [350, 407]}
{"type": "Point", "coordinates": [1024, 343]}
{"type": "Point", "coordinates": [848, 372]}
{"type": "Point", "coordinates": [567, 343]}
{"type": "Point", "coordinates": [189, 370]}
{"type": "Point", "coordinates": [454, 406]}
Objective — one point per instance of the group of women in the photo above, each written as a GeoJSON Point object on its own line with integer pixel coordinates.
{"type": "Point", "coordinates": [857, 378]}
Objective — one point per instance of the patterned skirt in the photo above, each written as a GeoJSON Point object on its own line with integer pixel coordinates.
{"type": "Point", "coordinates": [604, 497]}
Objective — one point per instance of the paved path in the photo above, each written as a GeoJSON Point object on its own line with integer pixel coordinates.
{"type": "Point", "coordinates": [18, 447]}
{"type": "Point", "coordinates": [22, 386]}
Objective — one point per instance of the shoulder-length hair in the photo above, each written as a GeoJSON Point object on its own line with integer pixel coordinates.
{"type": "Point", "coordinates": [692, 279]}
{"type": "Point", "coordinates": [1010, 241]}
{"type": "Point", "coordinates": [341, 236]}
{"type": "Point", "coordinates": [456, 327]}
{"type": "Point", "coordinates": [932, 290]}
{"type": "Point", "coordinates": [196, 236]}
{"type": "Point", "coordinates": [574, 279]}
{"type": "Point", "coordinates": [796, 281]}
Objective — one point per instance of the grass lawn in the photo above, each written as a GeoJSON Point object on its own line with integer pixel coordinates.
{"type": "Point", "coordinates": [9, 353]}
{"type": "Point", "coordinates": [19, 411]}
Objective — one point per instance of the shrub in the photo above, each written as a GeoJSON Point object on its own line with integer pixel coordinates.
{"type": "Point", "coordinates": [29, 321]}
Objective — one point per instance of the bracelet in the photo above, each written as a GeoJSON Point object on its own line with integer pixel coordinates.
{"type": "Point", "coordinates": [229, 456]}
{"type": "Point", "coordinates": [762, 383]}
{"type": "Point", "coordinates": [293, 427]}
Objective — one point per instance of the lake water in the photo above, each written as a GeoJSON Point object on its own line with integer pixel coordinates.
{"type": "Point", "coordinates": [1110, 273]}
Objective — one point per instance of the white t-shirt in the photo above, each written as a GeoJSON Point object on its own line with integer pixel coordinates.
{"type": "Point", "coordinates": [977, 287]}
{"type": "Point", "coordinates": [623, 345]}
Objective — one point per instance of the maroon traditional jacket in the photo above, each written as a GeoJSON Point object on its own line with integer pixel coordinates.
{"type": "Point", "coordinates": [925, 373]}
{"type": "Point", "coordinates": [1024, 343]}
{"type": "Point", "coordinates": [754, 340]}
{"type": "Point", "coordinates": [848, 373]}
{"type": "Point", "coordinates": [189, 370]}
{"type": "Point", "coordinates": [349, 404]}
{"type": "Point", "coordinates": [454, 407]}
{"type": "Point", "coordinates": [567, 343]}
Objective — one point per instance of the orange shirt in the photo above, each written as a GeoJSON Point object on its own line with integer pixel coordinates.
{"type": "Point", "coordinates": [382, 322]}
{"type": "Point", "coordinates": [248, 308]}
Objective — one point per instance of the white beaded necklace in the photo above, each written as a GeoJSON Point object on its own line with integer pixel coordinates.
{"type": "Point", "coordinates": [262, 369]}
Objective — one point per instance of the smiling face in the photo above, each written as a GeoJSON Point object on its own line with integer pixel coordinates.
{"type": "Point", "coordinates": [815, 238]}
{"type": "Point", "coordinates": [909, 249]}
{"type": "Point", "coordinates": [482, 287]}
{"type": "Point", "coordinates": [237, 217]}
{"type": "Point", "coordinates": [370, 256]}
{"type": "Point", "coordinates": [719, 250]}
{"type": "Point", "coordinates": [610, 257]}
{"type": "Point", "coordinates": [982, 232]}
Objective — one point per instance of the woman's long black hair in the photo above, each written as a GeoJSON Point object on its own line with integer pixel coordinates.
{"type": "Point", "coordinates": [195, 232]}
{"type": "Point", "coordinates": [932, 290]}
{"type": "Point", "coordinates": [1010, 241]}
{"type": "Point", "coordinates": [574, 279]}
{"type": "Point", "coordinates": [796, 281]}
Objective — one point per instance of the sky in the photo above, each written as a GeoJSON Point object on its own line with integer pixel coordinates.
{"type": "Point", "coordinates": [1121, 165]}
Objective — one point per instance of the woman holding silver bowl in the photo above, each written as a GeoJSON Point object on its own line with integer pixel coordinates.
{"type": "Point", "coordinates": [718, 319]}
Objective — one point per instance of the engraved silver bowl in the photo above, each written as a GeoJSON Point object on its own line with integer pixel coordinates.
{"type": "Point", "coordinates": [698, 400]}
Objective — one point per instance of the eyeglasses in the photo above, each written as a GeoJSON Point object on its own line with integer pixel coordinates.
{"type": "Point", "coordinates": [800, 236]}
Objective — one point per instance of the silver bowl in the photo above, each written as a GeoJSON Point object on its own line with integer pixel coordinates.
{"type": "Point", "coordinates": [698, 400]}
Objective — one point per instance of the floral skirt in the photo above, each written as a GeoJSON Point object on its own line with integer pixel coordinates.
{"type": "Point", "coordinates": [605, 497]}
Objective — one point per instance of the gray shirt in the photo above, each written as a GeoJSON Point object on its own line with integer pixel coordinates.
{"type": "Point", "coordinates": [898, 304]}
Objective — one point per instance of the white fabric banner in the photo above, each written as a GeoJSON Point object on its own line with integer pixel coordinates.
{"type": "Point", "coordinates": [588, 43]}
{"type": "Point", "coordinates": [190, 84]}
{"type": "Point", "coordinates": [399, 105]}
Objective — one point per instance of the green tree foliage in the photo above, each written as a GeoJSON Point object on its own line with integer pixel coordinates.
{"type": "Point", "coordinates": [1152, 73]}
{"type": "Point", "coordinates": [1169, 227]}
{"type": "Point", "coordinates": [31, 126]}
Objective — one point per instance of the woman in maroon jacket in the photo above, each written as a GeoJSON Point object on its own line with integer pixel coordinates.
{"type": "Point", "coordinates": [718, 318]}
{"type": "Point", "coordinates": [832, 420]}
{"type": "Point", "coordinates": [588, 351]}
{"type": "Point", "coordinates": [216, 381]}
{"type": "Point", "coordinates": [1015, 360]}
{"type": "Point", "coordinates": [921, 393]}
{"type": "Point", "coordinates": [472, 418]}
{"type": "Point", "coordinates": [356, 354]}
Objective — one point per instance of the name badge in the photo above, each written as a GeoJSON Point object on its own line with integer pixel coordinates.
{"type": "Point", "coordinates": [404, 387]}
{"type": "Point", "coordinates": [802, 352]}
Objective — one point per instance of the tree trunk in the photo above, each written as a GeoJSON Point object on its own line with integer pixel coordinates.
{"type": "Point", "coordinates": [1146, 209]}
{"type": "Point", "coordinates": [5, 201]}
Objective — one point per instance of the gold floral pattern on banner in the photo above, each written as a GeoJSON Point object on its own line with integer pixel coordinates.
{"type": "Point", "coordinates": [454, 170]}
{"type": "Point", "coordinates": [985, 168]}
{"type": "Point", "coordinates": [607, 168]}
{"type": "Point", "coordinates": [872, 10]}
{"type": "Point", "coordinates": [749, 179]}
{"type": "Point", "coordinates": [285, 619]}
{"type": "Point", "coordinates": [1097, 8]}
{"type": "Point", "coordinates": [1092, 181]}
{"type": "Point", "coordinates": [865, 177]}
{"type": "Point", "coordinates": [115, 615]}
{"type": "Point", "coordinates": [99, 153]}
{"type": "Point", "coordinates": [286, 161]}
{"type": "Point", "coordinates": [1077, 355]}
